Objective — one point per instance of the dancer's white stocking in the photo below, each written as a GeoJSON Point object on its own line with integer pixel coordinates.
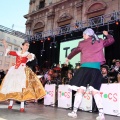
{"type": "Point", "coordinates": [11, 103]}
{"type": "Point", "coordinates": [22, 105]}
{"type": "Point", "coordinates": [98, 101]}
{"type": "Point", "coordinates": [77, 101]}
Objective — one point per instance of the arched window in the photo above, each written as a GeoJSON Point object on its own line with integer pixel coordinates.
{"type": "Point", "coordinates": [96, 9]}
{"type": "Point", "coordinates": [39, 27]}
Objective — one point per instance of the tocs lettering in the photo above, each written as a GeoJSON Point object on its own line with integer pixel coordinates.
{"type": "Point", "coordinates": [51, 93]}
{"type": "Point", "coordinates": [87, 95]}
{"type": "Point", "coordinates": [110, 96]}
{"type": "Point", "coordinates": [66, 50]}
{"type": "Point", "coordinates": [64, 94]}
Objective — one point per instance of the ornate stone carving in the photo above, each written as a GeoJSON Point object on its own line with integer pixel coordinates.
{"type": "Point", "coordinates": [51, 15]}
{"type": "Point", "coordinates": [64, 17]}
{"type": "Point", "coordinates": [28, 22]}
{"type": "Point", "coordinates": [79, 5]}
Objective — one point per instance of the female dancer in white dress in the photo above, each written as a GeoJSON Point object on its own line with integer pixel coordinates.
{"type": "Point", "coordinates": [21, 83]}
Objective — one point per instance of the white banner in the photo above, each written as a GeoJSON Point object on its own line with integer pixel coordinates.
{"type": "Point", "coordinates": [111, 98]}
{"type": "Point", "coordinates": [49, 99]}
{"type": "Point", "coordinates": [110, 94]}
{"type": "Point", "coordinates": [86, 104]}
{"type": "Point", "coordinates": [64, 97]}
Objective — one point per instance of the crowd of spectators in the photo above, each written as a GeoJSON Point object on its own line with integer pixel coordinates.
{"type": "Point", "coordinates": [57, 75]}
{"type": "Point", "coordinates": [62, 75]}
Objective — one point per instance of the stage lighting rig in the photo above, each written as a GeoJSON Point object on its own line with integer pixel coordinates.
{"type": "Point", "coordinates": [53, 44]}
{"type": "Point", "coordinates": [42, 52]}
{"type": "Point", "coordinates": [50, 45]}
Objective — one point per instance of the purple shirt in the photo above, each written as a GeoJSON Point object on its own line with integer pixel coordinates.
{"type": "Point", "coordinates": [92, 52]}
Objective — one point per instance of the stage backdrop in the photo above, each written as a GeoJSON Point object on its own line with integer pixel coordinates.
{"type": "Point", "coordinates": [65, 49]}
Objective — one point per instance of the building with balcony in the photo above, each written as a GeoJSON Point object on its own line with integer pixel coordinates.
{"type": "Point", "coordinates": [46, 15]}
{"type": "Point", "coordinates": [14, 40]}
{"type": "Point", "coordinates": [62, 20]}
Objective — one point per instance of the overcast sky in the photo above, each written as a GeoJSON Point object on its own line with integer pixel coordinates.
{"type": "Point", "coordinates": [12, 12]}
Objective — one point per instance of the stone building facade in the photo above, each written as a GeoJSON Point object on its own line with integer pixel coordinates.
{"type": "Point", "coordinates": [14, 43]}
{"type": "Point", "coordinates": [47, 15]}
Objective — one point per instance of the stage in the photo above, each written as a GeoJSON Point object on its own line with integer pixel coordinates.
{"type": "Point", "coordinates": [40, 112]}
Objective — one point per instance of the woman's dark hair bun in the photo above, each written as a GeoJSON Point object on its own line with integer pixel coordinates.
{"type": "Point", "coordinates": [25, 42]}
